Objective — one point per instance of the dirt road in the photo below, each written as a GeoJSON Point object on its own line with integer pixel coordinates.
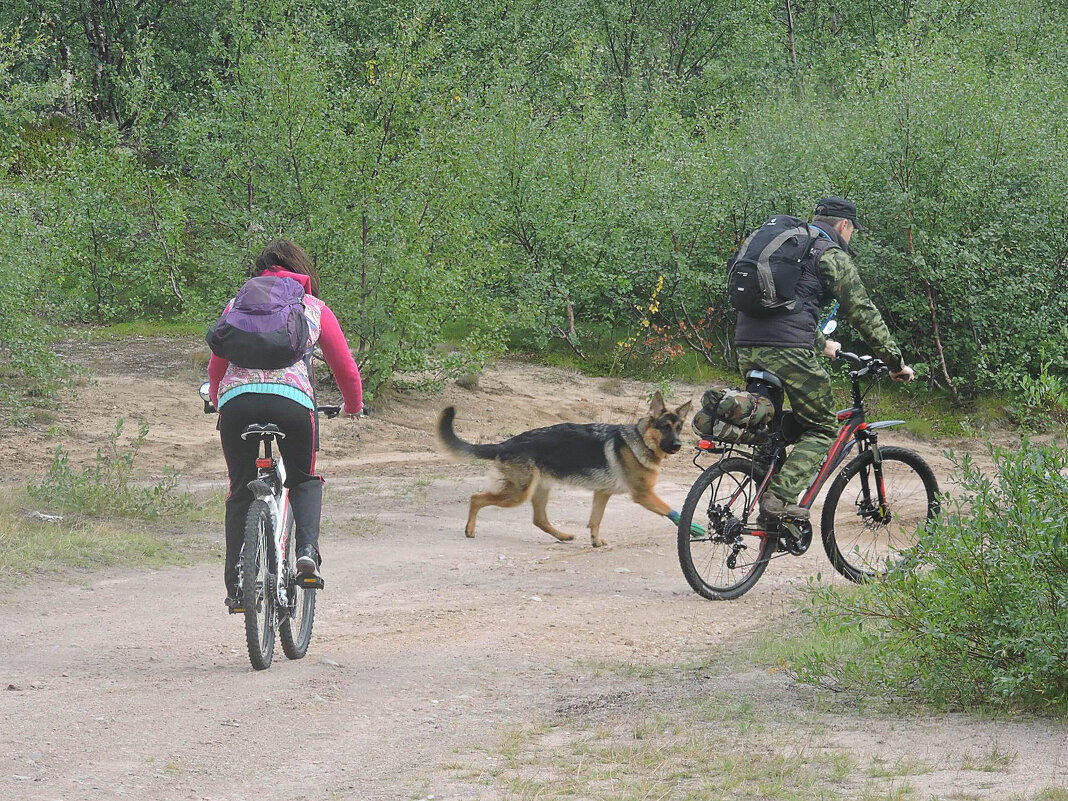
{"type": "Point", "coordinates": [432, 652]}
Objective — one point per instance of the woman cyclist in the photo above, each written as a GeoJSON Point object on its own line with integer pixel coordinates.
{"type": "Point", "coordinates": [284, 397]}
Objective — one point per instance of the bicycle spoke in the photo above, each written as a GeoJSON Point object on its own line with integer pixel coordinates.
{"type": "Point", "coordinates": [867, 531]}
{"type": "Point", "coordinates": [729, 557]}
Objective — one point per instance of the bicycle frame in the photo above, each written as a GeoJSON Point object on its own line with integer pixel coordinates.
{"type": "Point", "coordinates": [855, 430]}
{"type": "Point", "coordinates": [270, 487]}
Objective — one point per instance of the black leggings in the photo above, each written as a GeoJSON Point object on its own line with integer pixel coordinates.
{"type": "Point", "coordinates": [297, 422]}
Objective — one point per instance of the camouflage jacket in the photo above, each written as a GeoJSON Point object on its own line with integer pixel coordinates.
{"type": "Point", "coordinates": [842, 281]}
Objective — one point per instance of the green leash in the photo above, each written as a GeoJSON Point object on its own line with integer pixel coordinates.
{"type": "Point", "coordinates": [695, 529]}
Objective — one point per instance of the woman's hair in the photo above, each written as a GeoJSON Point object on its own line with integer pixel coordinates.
{"type": "Point", "coordinates": [283, 253]}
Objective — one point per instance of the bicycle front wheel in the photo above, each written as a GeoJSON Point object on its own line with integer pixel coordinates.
{"type": "Point", "coordinates": [257, 585]}
{"type": "Point", "coordinates": [720, 556]}
{"type": "Point", "coordinates": [862, 537]}
{"type": "Point", "coordinates": [296, 629]}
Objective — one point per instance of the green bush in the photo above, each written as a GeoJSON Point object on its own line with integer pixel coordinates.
{"type": "Point", "coordinates": [984, 619]}
{"type": "Point", "coordinates": [538, 170]}
{"type": "Point", "coordinates": [1042, 399]}
{"type": "Point", "coordinates": [105, 488]}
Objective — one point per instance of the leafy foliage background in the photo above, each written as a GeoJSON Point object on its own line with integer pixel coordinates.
{"type": "Point", "coordinates": [485, 167]}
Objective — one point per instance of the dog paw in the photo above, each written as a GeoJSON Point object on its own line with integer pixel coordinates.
{"type": "Point", "coordinates": [598, 543]}
{"type": "Point", "coordinates": [564, 537]}
{"type": "Point", "coordinates": [469, 534]}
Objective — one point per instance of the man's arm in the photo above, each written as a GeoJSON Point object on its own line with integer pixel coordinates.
{"type": "Point", "coordinates": [840, 276]}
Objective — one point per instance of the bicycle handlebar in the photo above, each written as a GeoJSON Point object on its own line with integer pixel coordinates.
{"type": "Point", "coordinates": [864, 365]}
{"type": "Point", "coordinates": [851, 358]}
{"type": "Point", "coordinates": [330, 411]}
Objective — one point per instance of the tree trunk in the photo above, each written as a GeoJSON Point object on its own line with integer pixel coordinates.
{"type": "Point", "coordinates": [791, 43]}
{"type": "Point", "coordinates": [928, 291]}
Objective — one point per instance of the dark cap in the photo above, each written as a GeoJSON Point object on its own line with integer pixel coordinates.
{"type": "Point", "coordinates": [838, 207]}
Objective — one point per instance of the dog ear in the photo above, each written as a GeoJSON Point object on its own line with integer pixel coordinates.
{"type": "Point", "coordinates": [683, 410]}
{"type": "Point", "coordinates": [656, 404]}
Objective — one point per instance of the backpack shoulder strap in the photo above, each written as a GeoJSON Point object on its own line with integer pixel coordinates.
{"type": "Point", "coordinates": [820, 246]}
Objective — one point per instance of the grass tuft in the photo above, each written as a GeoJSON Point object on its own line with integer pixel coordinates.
{"type": "Point", "coordinates": [28, 545]}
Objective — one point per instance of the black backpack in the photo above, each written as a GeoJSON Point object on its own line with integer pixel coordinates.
{"type": "Point", "coordinates": [264, 327]}
{"type": "Point", "coordinates": [762, 276]}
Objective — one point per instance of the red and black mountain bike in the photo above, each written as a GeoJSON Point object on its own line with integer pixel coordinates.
{"type": "Point", "coordinates": [873, 514]}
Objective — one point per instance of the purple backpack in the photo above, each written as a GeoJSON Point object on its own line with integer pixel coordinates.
{"type": "Point", "coordinates": [265, 327]}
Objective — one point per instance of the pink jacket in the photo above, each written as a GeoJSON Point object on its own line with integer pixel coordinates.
{"type": "Point", "coordinates": [222, 375]}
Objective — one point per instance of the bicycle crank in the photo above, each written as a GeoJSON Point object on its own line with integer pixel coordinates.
{"type": "Point", "coordinates": [797, 536]}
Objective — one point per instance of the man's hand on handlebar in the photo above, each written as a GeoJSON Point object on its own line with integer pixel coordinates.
{"type": "Point", "coordinates": [905, 375]}
{"type": "Point", "coordinates": [831, 348]}
{"type": "Point", "coordinates": [867, 364]}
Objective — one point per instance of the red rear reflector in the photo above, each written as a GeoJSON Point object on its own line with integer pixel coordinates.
{"type": "Point", "coordinates": [705, 445]}
{"type": "Point", "coordinates": [263, 463]}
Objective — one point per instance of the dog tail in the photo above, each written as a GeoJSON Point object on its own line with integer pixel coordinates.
{"type": "Point", "coordinates": [456, 445]}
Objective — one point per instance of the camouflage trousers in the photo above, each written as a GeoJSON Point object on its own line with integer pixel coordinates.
{"type": "Point", "coordinates": [808, 387]}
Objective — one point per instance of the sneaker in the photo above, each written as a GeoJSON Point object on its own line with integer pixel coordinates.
{"type": "Point", "coordinates": [307, 561]}
{"type": "Point", "coordinates": [772, 507]}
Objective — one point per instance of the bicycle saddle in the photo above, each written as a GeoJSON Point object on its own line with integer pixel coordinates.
{"type": "Point", "coordinates": [766, 383]}
{"type": "Point", "coordinates": [262, 430]}
{"type": "Point", "coordinates": [764, 376]}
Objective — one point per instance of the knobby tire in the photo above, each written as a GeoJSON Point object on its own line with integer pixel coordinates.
{"type": "Point", "coordinates": [704, 560]}
{"type": "Point", "coordinates": [257, 585]}
{"type": "Point", "coordinates": [863, 544]}
{"type": "Point", "coordinates": [296, 632]}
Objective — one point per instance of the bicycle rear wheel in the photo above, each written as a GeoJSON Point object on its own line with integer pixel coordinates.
{"type": "Point", "coordinates": [257, 585]}
{"type": "Point", "coordinates": [728, 558]}
{"type": "Point", "coordinates": [864, 540]}
{"type": "Point", "coordinates": [296, 628]}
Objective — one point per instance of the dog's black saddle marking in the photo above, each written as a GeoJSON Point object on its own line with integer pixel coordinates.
{"type": "Point", "coordinates": [564, 449]}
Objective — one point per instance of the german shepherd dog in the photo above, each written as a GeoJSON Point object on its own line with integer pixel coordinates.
{"type": "Point", "coordinates": [608, 459]}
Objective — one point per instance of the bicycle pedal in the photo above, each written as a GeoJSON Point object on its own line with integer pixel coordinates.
{"type": "Point", "coordinates": [310, 581]}
{"type": "Point", "coordinates": [234, 607]}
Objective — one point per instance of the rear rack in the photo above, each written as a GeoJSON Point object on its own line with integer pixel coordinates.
{"type": "Point", "coordinates": [710, 446]}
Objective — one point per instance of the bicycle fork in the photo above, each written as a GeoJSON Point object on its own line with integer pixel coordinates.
{"type": "Point", "coordinates": [875, 506]}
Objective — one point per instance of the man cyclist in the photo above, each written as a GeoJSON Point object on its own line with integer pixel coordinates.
{"type": "Point", "coordinates": [789, 345]}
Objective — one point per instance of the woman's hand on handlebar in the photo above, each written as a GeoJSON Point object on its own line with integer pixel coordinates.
{"type": "Point", "coordinates": [905, 375]}
{"type": "Point", "coordinates": [363, 411]}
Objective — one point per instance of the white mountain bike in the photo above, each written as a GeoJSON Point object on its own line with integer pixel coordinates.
{"type": "Point", "coordinates": [274, 597]}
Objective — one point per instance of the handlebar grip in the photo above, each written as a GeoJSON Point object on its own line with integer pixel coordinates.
{"type": "Point", "coordinates": [849, 358]}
